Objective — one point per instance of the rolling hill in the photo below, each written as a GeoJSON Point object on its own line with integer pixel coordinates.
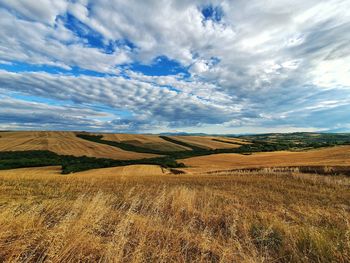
{"type": "Point", "coordinates": [331, 156]}
{"type": "Point", "coordinates": [153, 142]}
{"type": "Point", "coordinates": [125, 210]}
{"type": "Point", "coordinates": [63, 143]}
{"type": "Point", "coordinates": [197, 153]}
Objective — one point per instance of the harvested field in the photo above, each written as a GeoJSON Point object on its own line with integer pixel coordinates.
{"type": "Point", "coordinates": [129, 170]}
{"type": "Point", "coordinates": [237, 217]}
{"type": "Point", "coordinates": [34, 172]}
{"type": "Point", "coordinates": [231, 140]}
{"type": "Point", "coordinates": [333, 156]}
{"type": "Point", "coordinates": [153, 142]}
{"type": "Point", "coordinates": [263, 207]}
{"type": "Point", "coordinates": [64, 143]}
{"type": "Point", "coordinates": [49, 171]}
{"type": "Point", "coordinates": [207, 142]}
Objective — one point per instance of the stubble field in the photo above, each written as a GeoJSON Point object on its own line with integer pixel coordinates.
{"type": "Point", "coordinates": [228, 207]}
{"type": "Point", "coordinates": [64, 143]}
{"type": "Point", "coordinates": [332, 156]}
{"type": "Point", "coordinates": [108, 217]}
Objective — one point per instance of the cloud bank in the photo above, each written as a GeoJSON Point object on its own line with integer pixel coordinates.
{"type": "Point", "coordinates": [152, 66]}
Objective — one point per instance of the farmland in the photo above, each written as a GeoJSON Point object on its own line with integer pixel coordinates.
{"type": "Point", "coordinates": [183, 200]}
{"type": "Point", "coordinates": [107, 216]}
{"type": "Point", "coordinates": [333, 156]}
{"type": "Point", "coordinates": [209, 142]}
{"type": "Point", "coordinates": [64, 143]}
{"type": "Point", "coordinates": [174, 131]}
{"type": "Point", "coordinates": [147, 141]}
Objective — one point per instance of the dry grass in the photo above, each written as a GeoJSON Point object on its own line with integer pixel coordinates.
{"type": "Point", "coordinates": [130, 170]}
{"type": "Point", "coordinates": [207, 142]}
{"type": "Point", "coordinates": [237, 217]}
{"type": "Point", "coordinates": [65, 143]}
{"type": "Point", "coordinates": [153, 142]}
{"type": "Point", "coordinates": [232, 140]}
{"type": "Point", "coordinates": [332, 156]}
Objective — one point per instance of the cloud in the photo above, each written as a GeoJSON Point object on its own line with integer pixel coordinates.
{"type": "Point", "coordinates": [243, 63]}
{"type": "Point", "coordinates": [40, 10]}
{"type": "Point", "coordinates": [141, 103]}
{"type": "Point", "coordinates": [36, 43]}
{"type": "Point", "coordinates": [145, 101]}
{"type": "Point", "coordinates": [21, 114]}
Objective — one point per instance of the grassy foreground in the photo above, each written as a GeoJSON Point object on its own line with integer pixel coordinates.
{"type": "Point", "coordinates": [238, 217]}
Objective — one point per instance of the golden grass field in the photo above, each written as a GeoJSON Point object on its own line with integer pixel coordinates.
{"type": "Point", "coordinates": [129, 170]}
{"type": "Point", "coordinates": [153, 142]}
{"type": "Point", "coordinates": [215, 212]}
{"type": "Point", "coordinates": [114, 216]}
{"type": "Point", "coordinates": [331, 156]}
{"type": "Point", "coordinates": [64, 143]}
{"type": "Point", "coordinates": [232, 140]}
{"type": "Point", "coordinates": [207, 142]}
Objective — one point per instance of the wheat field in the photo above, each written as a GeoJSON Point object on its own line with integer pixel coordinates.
{"type": "Point", "coordinates": [331, 156]}
{"type": "Point", "coordinates": [208, 142]}
{"type": "Point", "coordinates": [64, 143]}
{"type": "Point", "coordinates": [153, 142]}
{"type": "Point", "coordinates": [106, 217]}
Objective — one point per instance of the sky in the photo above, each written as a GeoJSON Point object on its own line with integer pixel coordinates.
{"type": "Point", "coordinates": [157, 66]}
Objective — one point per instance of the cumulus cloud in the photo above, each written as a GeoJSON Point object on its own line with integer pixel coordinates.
{"type": "Point", "coordinates": [39, 44]}
{"type": "Point", "coordinates": [22, 114]}
{"type": "Point", "coordinates": [249, 63]}
{"type": "Point", "coordinates": [145, 101]}
{"type": "Point", "coordinates": [40, 10]}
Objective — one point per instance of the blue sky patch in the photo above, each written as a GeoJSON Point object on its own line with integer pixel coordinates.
{"type": "Point", "coordinates": [214, 13]}
{"type": "Point", "coordinates": [92, 38]}
{"type": "Point", "coordinates": [161, 66]}
{"type": "Point", "coordinates": [83, 31]}
{"type": "Point", "coordinates": [26, 67]}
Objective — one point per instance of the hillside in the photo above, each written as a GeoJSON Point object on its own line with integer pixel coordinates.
{"type": "Point", "coordinates": [210, 142]}
{"type": "Point", "coordinates": [63, 143]}
{"type": "Point", "coordinates": [189, 199]}
{"type": "Point", "coordinates": [79, 151]}
{"type": "Point", "coordinates": [331, 156]}
{"type": "Point", "coordinates": [147, 141]}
